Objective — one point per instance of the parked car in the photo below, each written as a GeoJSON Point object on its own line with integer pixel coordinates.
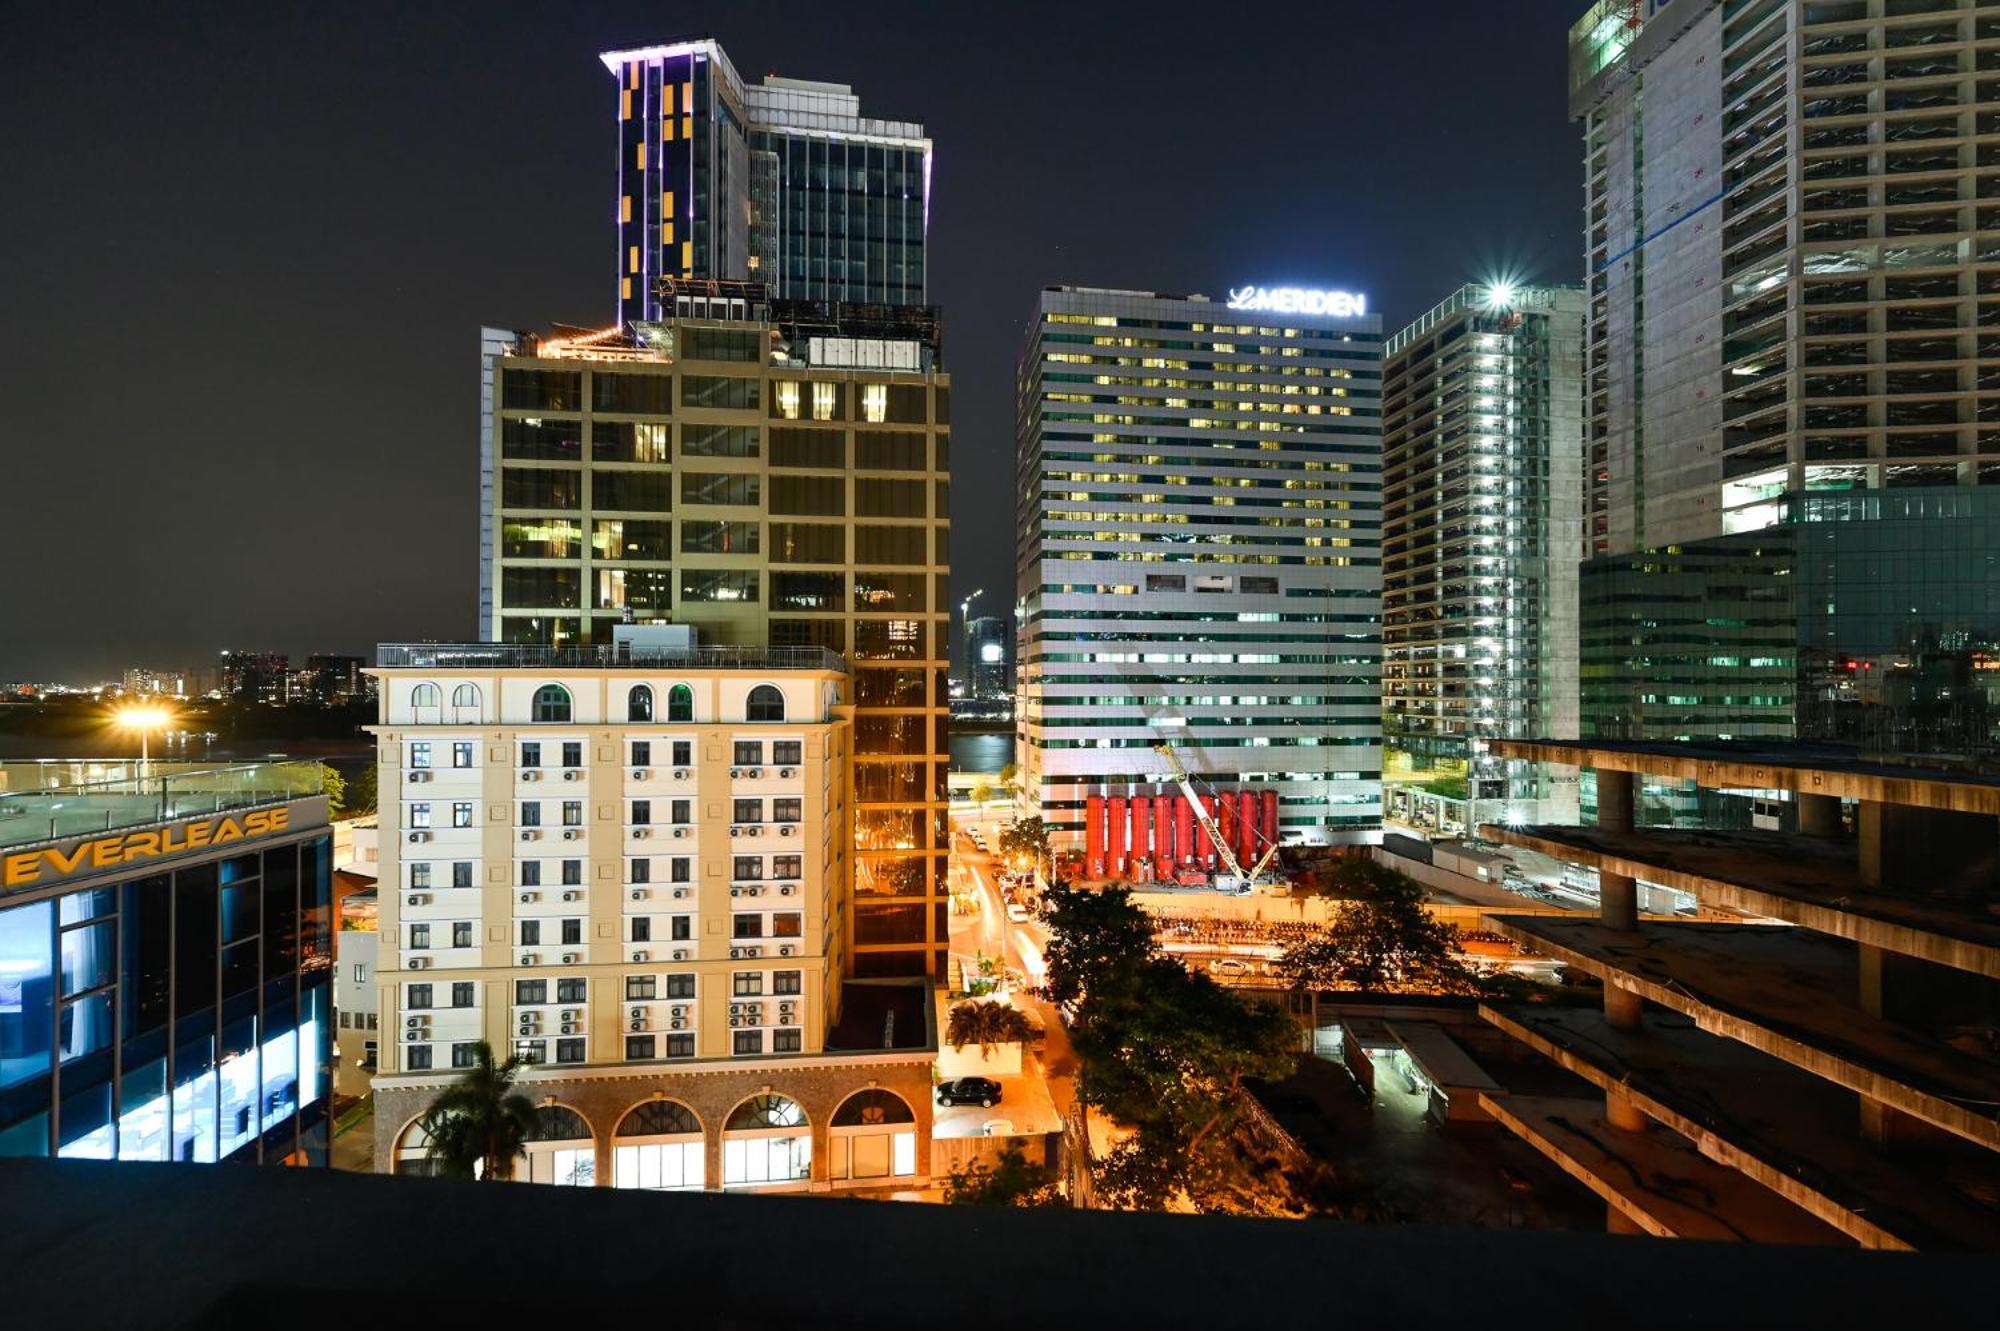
{"type": "Point", "coordinates": [980, 1091]}
{"type": "Point", "coordinates": [1019, 913]}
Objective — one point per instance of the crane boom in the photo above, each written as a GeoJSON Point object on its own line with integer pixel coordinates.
{"type": "Point", "coordinates": [1208, 824]}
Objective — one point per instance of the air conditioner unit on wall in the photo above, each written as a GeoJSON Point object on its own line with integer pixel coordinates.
{"type": "Point", "coordinates": [640, 774]}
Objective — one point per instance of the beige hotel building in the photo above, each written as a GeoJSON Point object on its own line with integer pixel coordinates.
{"type": "Point", "coordinates": [628, 865]}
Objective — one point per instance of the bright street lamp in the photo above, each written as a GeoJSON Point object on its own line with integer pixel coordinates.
{"type": "Point", "coordinates": [144, 718]}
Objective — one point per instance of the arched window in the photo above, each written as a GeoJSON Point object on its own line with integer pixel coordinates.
{"type": "Point", "coordinates": [766, 703]}
{"type": "Point", "coordinates": [551, 703]}
{"type": "Point", "coordinates": [639, 704]}
{"type": "Point", "coordinates": [413, 1153]}
{"type": "Point", "coordinates": [559, 1150]}
{"type": "Point", "coordinates": [766, 1139]}
{"type": "Point", "coordinates": [874, 1135]}
{"type": "Point", "coordinates": [658, 1145]}
{"type": "Point", "coordinates": [680, 703]}
{"type": "Point", "coordinates": [424, 695]}
{"type": "Point", "coordinates": [465, 695]}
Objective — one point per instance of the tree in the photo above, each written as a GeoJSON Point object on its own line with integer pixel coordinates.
{"type": "Point", "coordinates": [981, 793]}
{"type": "Point", "coordinates": [1380, 938]}
{"type": "Point", "coordinates": [478, 1125]}
{"type": "Point", "coordinates": [361, 790]}
{"type": "Point", "coordinates": [1094, 937]}
{"type": "Point", "coordinates": [987, 1023]}
{"type": "Point", "coordinates": [1012, 1181]}
{"type": "Point", "coordinates": [1027, 838]}
{"type": "Point", "coordinates": [334, 786]}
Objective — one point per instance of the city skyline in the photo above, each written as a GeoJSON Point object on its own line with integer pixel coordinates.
{"type": "Point", "coordinates": [438, 242]}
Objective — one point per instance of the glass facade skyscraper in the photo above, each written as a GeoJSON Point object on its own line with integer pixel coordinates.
{"type": "Point", "coordinates": [1198, 518]}
{"type": "Point", "coordinates": [165, 975]}
{"type": "Point", "coordinates": [783, 182]}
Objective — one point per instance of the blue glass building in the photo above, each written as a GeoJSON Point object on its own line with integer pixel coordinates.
{"type": "Point", "coordinates": [166, 962]}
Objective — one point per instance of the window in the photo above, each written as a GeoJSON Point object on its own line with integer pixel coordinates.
{"type": "Point", "coordinates": [531, 873]}
{"type": "Point", "coordinates": [551, 704]}
{"type": "Point", "coordinates": [531, 933]}
{"type": "Point", "coordinates": [572, 753]}
{"type": "Point", "coordinates": [787, 924]}
{"type": "Point", "coordinates": [417, 1057]}
{"type": "Point", "coordinates": [747, 1042]}
{"type": "Point", "coordinates": [747, 984]}
{"type": "Point", "coordinates": [461, 994]}
{"type": "Point", "coordinates": [572, 873]}
{"type": "Point", "coordinates": [462, 1053]}
{"type": "Point", "coordinates": [786, 866]}
{"type": "Point", "coordinates": [749, 753]}
{"type": "Point", "coordinates": [788, 752]}
{"type": "Point", "coordinates": [572, 990]}
{"type": "Point", "coordinates": [528, 993]}
{"type": "Point", "coordinates": [642, 749]}
{"type": "Point", "coordinates": [420, 875]}
{"type": "Point", "coordinates": [747, 926]}
{"type": "Point", "coordinates": [420, 815]}
{"type": "Point", "coordinates": [766, 704]}
{"type": "Point", "coordinates": [785, 1042]}
{"type": "Point", "coordinates": [680, 707]}
{"type": "Point", "coordinates": [680, 986]}
{"type": "Point", "coordinates": [749, 867]}
{"type": "Point", "coordinates": [461, 753]}
{"type": "Point", "coordinates": [747, 811]}
{"type": "Point", "coordinates": [680, 1046]}
{"type": "Point", "coordinates": [640, 871]}
{"type": "Point", "coordinates": [465, 695]}
{"type": "Point", "coordinates": [642, 813]}
{"type": "Point", "coordinates": [420, 935]}
{"type": "Point", "coordinates": [569, 1051]}
{"type": "Point", "coordinates": [641, 988]}
{"type": "Point", "coordinates": [785, 982]}
{"type": "Point", "coordinates": [531, 813]}
{"type": "Point", "coordinates": [425, 695]}
{"type": "Point", "coordinates": [638, 1047]}
{"type": "Point", "coordinates": [572, 813]}
{"type": "Point", "coordinates": [420, 755]}
{"type": "Point", "coordinates": [787, 810]}
{"type": "Point", "coordinates": [531, 753]}
{"type": "Point", "coordinates": [461, 933]}
{"type": "Point", "coordinates": [572, 932]}
{"type": "Point", "coordinates": [642, 929]}
{"type": "Point", "coordinates": [683, 752]}
{"type": "Point", "coordinates": [360, 973]}
{"type": "Point", "coordinates": [461, 813]}
{"type": "Point", "coordinates": [639, 703]}
{"type": "Point", "coordinates": [719, 586]}
{"type": "Point", "coordinates": [461, 873]}
{"type": "Point", "coordinates": [729, 488]}
{"type": "Point", "coordinates": [681, 869]}
{"type": "Point", "coordinates": [701, 390]}
{"type": "Point", "coordinates": [419, 998]}
{"type": "Point", "coordinates": [683, 928]}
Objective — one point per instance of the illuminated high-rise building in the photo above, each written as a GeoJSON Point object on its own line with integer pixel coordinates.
{"type": "Point", "coordinates": [783, 182]}
{"type": "Point", "coordinates": [1198, 520]}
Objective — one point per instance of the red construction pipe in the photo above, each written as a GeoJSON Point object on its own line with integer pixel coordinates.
{"type": "Point", "coordinates": [1142, 840]}
{"type": "Point", "coordinates": [1248, 843]}
{"type": "Point", "coordinates": [1114, 850]}
{"type": "Point", "coordinates": [1184, 832]}
{"type": "Point", "coordinates": [1093, 835]}
{"type": "Point", "coordinates": [1225, 822]}
{"type": "Point", "coordinates": [1204, 842]}
{"type": "Point", "coordinates": [1163, 838]}
{"type": "Point", "coordinates": [1270, 818]}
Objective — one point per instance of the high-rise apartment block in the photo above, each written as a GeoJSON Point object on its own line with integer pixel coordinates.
{"type": "Point", "coordinates": [1792, 265]}
{"type": "Point", "coordinates": [1199, 553]}
{"type": "Point", "coordinates": [783, 182]}
{"type": "Point", "coordinates": [629, 866]}
{"type": "Point", "coordinates": [763, 483]}
{"type": "Point", "coordinates": [1481, 431]}
{"type": "Point", "coordinates": [258, 677]}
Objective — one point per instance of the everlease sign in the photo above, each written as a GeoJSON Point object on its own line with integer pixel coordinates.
{"type": "Point", "coordinates": [1299, 300]}
{"type": "Point", "coordinates": [29, 867]}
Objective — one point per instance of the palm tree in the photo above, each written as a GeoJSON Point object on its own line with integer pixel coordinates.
{"type": "Point", "coordinates": [478, 1125]}
{"type": "Point", "coordinates": [987, 1023]}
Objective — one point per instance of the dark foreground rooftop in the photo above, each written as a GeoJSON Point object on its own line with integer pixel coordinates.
{"type": "Point", "coordinates": [170, 1246]}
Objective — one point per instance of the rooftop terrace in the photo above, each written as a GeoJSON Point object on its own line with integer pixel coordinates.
{"type": "Point", "coordinates": [54, 801]}
{"type": "Point", "coordinates": [532, 656]}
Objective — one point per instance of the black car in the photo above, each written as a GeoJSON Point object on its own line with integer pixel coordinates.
{"type": "Point", "coordinates": [969, 1091]}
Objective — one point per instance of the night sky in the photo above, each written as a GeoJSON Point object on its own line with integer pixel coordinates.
{"type": "Point", "coordinates": [248, 249]}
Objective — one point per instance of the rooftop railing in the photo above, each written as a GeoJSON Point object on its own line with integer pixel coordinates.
{"type": "Point", "coordinates": [516, 656]}
{"type": "Point", "coordinates": [55, 801]}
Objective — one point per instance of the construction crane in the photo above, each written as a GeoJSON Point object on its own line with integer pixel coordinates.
{"type": "Point", "coordinates": [1235, 876]}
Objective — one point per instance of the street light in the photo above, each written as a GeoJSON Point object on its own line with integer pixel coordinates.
{"type": "Point", "coordinates": [144, 718]}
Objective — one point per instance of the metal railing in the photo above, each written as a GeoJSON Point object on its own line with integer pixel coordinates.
{"type": "Point", "coordinates": [41, 802]}
{"type": "Point", "coordinates": [511, 655]}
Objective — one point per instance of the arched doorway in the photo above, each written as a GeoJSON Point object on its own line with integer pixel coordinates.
{"type": "Point", "coordinates": [874, 1135]}
{"type": "Point", "coordinates": [659, 1145]}
{"type": "Point", "coordinates": [561, 1150]}
{"type": "Point", "coordinates": [766, 1139]}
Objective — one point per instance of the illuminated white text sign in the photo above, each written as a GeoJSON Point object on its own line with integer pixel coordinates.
{"type": "Point", "coordinates": [1299, 300]}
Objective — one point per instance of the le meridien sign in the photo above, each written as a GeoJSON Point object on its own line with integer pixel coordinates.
{"type": "Point", "coordinates": [1299, 300]}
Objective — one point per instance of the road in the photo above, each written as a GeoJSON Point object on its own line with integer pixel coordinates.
{"type": "Point", "coordinates": [1019, 947]}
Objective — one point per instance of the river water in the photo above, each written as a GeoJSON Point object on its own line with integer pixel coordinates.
{"type": "Point", "coordinates": [981, 752]}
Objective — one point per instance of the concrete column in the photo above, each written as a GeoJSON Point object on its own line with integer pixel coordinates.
{"type": "Point", "coordinates": [1617, 794]}
{"type": "Point", "coordinates": [1617, 900]}
{"type": "Point", "coordinates": [1622, 1007]}
{"type": "Point", "coordinates": [1819, 815]}
{"type": "Point", "coordinates": [1901, 845]}
{"type": "Point", "coordinates": [1621, 1113]}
